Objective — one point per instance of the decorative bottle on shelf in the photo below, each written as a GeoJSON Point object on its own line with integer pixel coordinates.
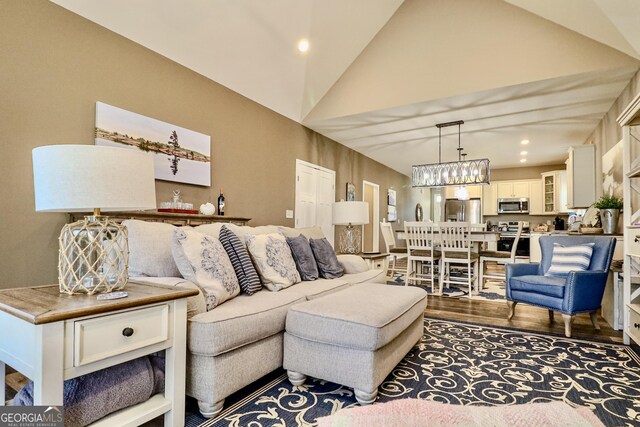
{"type": "Point", "coordinates": [221, 203]}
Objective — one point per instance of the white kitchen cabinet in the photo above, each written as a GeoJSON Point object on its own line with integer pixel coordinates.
{"type": "Point", "coordinates": [535, 253]}
{"type": "Point", "coordinates": [490, 199]}
{"type": "Point", "coordinates": [535, 197]}
{"type": "Point", "coordinates": [475, 191]}
{"type": "Point", "coordinates": [581, 176]}
{"type": "Point", "coordinates": [513, 189]}
{"type": "Point", "coordinates": [554, 192]}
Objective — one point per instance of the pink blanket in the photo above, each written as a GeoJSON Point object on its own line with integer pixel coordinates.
{"type": "Point", "coordinates": [416, 412]}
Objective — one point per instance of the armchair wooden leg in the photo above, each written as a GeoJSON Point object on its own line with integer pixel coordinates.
{"type": "Point", "coordinates": [594, 320]}
{"type": "Point", "coordinates": [568, 320]}
{"type": "Point", "coordinates": [512, 309]}
{"type": "Point", "coordinates": [551, 316]}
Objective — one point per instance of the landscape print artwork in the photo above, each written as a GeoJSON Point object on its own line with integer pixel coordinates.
{"type": "Point", "coordinates": [612, 171]}
{"type": "Point", "coordinates": [179, 154]}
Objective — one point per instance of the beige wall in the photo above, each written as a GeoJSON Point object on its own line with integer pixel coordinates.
{"type": "Point", "coordinates": [55, 66]}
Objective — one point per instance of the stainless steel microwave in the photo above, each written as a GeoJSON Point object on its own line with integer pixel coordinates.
{"type": "Point", "coordinates": [513, 205]}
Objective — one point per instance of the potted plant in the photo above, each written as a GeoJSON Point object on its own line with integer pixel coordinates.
{"type": "Point", "coordinates": [609, 207]}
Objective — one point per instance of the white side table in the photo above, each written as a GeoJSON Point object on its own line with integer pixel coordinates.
{"type": "Point", "coordinates": [51, 337]}
{"type": "Point", "coordinates": [376, 261]}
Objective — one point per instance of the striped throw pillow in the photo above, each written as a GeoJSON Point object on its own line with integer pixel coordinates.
{"type": "Point", "coordinates": [569, 258]}
{"type": "Point", "coordinates": [241, 262]}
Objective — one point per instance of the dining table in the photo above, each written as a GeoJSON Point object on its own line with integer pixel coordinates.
{"type": "Point", "coordinates": [476, 237]}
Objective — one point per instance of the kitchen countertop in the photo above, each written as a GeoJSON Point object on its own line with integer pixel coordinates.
{"type": "Point", "coordinates": [573, 233]}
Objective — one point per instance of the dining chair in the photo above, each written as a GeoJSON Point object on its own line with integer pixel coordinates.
{"type": "Point", "coordinates": [398, 255]}
{"type": "Point", "coordinates": [421, 253]}
{"type": "Point", "coordinates": [479, 227]}
{"type": "Point", "coordinates": [455, 246]}
{"type": "Point", "coordinates": [500, 258]}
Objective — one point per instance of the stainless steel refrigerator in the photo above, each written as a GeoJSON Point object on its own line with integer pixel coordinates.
{"type": "Point", "coordinates": [463, 210]}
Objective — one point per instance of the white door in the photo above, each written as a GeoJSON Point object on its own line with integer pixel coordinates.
{"type": "Point", "coordinates": [314, 195]}
{"type": "Point", "coordinates": [371, 231]}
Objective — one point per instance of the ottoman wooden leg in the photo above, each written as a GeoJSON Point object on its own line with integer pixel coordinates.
{"type": "Point", "coordinates": [364, 397]}
{"type": "Point", "coordinates": [296, 378]}
{"type": "Point", "coordinates": [209, 410]}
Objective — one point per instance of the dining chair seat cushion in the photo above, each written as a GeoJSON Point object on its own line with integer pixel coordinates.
{"type": "Point", "coordinates": [425, 253]}
{"type": "Point", "coordinates": [460, 255]}
{"type": "Point", "coordinates": [545, 285]}
{"type": "Point", "coordinates": [495, 254]}
{"type": "Point", "coordinates": [398, 251]}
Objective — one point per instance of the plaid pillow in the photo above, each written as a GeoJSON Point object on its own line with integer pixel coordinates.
{"type": "Point", "coordinates": [569, 258]}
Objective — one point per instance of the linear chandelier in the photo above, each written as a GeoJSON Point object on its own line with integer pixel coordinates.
{"type": "Point", "coordinates": [462, 172]}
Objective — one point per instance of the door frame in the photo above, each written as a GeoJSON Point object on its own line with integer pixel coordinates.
{"type": "Point", "coordinates": [376, 213]}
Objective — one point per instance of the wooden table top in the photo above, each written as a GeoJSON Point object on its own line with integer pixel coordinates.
{"type": "Point", "coordinates": [45, 304]}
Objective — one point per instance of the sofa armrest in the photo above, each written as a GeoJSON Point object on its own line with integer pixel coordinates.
{"type": "Point", "coordinates": [584, 290]}
{"type": "Point", "coordinates": [515, 270]}
{"type": "Point", "coordinates": [195, 304]}
{"type": "Point", "coordinates": [353, 264]}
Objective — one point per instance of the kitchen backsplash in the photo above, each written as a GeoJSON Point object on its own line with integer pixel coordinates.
{"type": "Point", "coordinates": [533, 219]}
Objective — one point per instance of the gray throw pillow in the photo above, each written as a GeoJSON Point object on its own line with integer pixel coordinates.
{"type": "Point", "coordinates": [326, 258]}
{"type": "Point", "coordinates": [303, 257]}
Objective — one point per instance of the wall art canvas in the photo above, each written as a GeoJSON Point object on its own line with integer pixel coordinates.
{"type": "Point", "coordinates": [612, 171]}
{"type": "Point", "coordinates": [351, 192]}
{"type": "Point", "coordinates": [391, 197]}
{"type": "Point", "coordinates": [392, 214]}
{"type": "Point", "coordinates": [179, 154]}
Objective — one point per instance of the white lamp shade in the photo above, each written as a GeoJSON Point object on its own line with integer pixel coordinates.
{"type": "Point", "coordinates": [355, 213]}
{"type": "Point", "coordinates": [79, 178]}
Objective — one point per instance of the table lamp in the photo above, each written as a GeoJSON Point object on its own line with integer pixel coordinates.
{"type": "Point", "coordinates": [94, 252]}
{"type": "Point", "coordinates": [350, 214]}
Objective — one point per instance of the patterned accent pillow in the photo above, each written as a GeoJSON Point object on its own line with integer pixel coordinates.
{"type": "Point", "coordinates": [246, 272]}
{"type": "Point", "coordinates": [202, 260]}
{"type": "Point", "coordinates": [328, 264]}
{"type": "Point", "coordinates": [569, 258]}
{"type": "Point", "coordinates": [303, 256]}
{"type": "Point", "coordinates": [273, 260]}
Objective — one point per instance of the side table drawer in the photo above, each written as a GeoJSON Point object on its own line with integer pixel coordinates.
{"type": "Point", "coordinates": [105, 336]}
{"type": "Point", "coordinates": [633, 329]}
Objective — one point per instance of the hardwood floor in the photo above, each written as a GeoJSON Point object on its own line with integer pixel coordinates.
{"type": "Point", "coordinates": [527, 317]}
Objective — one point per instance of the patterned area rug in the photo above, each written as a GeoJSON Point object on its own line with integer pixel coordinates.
{"type": "Point", "coordinates": [492, 291]}
{"type": "Point", "coordinates": [464, 364]}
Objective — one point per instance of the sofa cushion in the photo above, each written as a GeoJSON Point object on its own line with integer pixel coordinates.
{"type": "Point", "coordinates": [202, 259]}
{"type": "Point", "coordinates": [303, 257]}
{"type": "Point", "coordinates": [545, 285]}
{"type": "Point", "coordinates": [150, 249]}
{"type": "Point", "coordinates": [240, 321]}
{"type": "Point", "coordinates": [273, 260]}
{"type": "Point", "coordinates": [332, 318]}
{"type": "Point", "coordinates": [328, 265]}
{"type": "Point", "coordinates": [569, 258]}
{"type": "Point", "coordinates": [241, 261]}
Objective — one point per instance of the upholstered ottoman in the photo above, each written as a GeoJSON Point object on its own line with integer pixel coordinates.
{"type": "Point", "coordinates": [354, 337]}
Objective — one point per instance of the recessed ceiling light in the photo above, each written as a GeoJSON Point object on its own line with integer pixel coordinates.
{"type": "Point", "coordinates": [523, 160]}
{"type": "Point", "coordinates": [524, 142]}
{"type": "Point", "coordinates": [523, 153]}
{"type": "Point", "coordinates": [303, 45]}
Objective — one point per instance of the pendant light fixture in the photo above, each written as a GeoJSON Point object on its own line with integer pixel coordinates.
{"type": "Point", "coordinates": [463, 172]}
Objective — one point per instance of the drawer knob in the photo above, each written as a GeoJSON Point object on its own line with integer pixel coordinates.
{"type": "Point", "coordinates": [636, 325]}
{"type": "Point", "coordinates": [127, 332]}
{"type": "Point", "coordinates": [636, 240]}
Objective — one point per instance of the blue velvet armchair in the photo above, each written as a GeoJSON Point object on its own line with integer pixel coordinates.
{"type": "Point", "coordinates": [579, 292]}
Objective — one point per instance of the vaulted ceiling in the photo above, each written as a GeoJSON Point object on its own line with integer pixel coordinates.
{"type": "Point", "coordinates": [380, 74]}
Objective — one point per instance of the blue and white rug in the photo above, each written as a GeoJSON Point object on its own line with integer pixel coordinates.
{"type": "Point", "coordinates": [492, 291]}
{"type": "Point", "coordinates": [465, 364]}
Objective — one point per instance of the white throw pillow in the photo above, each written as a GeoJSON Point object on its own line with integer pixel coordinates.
{"type": "Point", "coordinates": [353, 264]}
{"type": "Point", "coordinates": [272, 257]}
{"type": "Point", "coordinates": [150, 249]}
{"type": "Point", "coordinates": [202, 259]}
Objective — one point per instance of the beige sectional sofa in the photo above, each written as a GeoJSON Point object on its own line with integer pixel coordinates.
{"type": "Point", "coordinates": [240, 340]}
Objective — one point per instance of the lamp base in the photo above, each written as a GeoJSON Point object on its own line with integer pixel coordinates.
{"type": "Point", "coordinates": [93, 256]}
{"type": "Point", "coordinates": [349, 242]}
